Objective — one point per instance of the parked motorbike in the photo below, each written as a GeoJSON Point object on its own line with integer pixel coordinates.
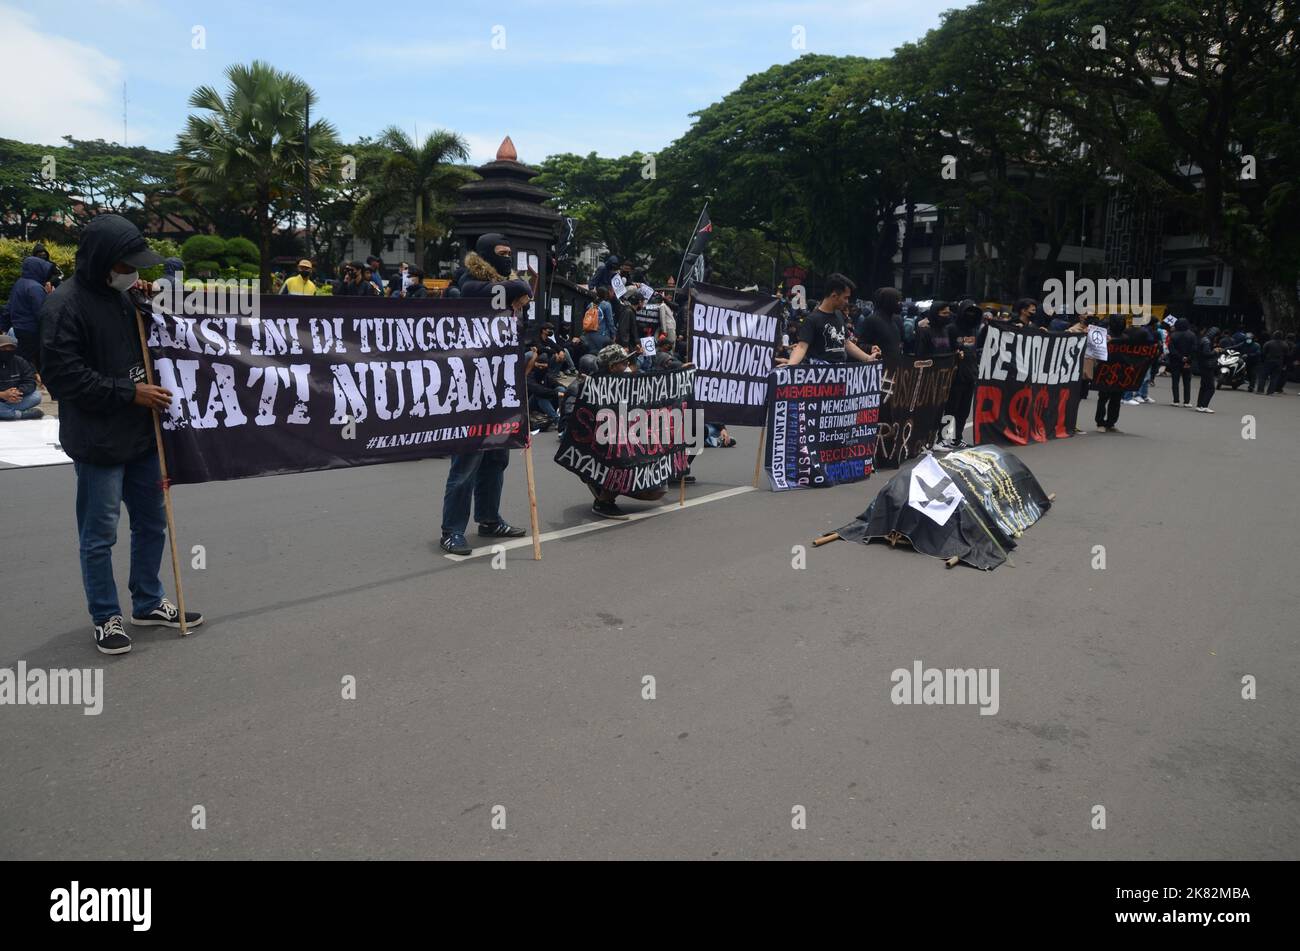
{"type": "Point", "coordinates": [1232, 369]}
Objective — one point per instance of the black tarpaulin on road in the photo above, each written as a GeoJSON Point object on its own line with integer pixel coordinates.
{"type": "Point", "coordinates": [989, 498]}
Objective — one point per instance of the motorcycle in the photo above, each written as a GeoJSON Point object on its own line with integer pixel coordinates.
{"type": "Point", "coordinates": [1232, 369]}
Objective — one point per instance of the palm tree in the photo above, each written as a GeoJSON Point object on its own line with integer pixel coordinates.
{"type": "Point", "coordinates": [247, 147]}
{"type": "Point", "coordinates": [422, 175]}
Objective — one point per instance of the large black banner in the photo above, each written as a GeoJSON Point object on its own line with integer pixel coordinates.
{"type": "Point", "coordinates": [821, 424]}
{"type": "Point", "coordinates": [912, 396]}
{"type": "Point", "coordinates": [630, 432]}
{"type": "Point", "coordinates": [733, 345]}
{"type": "Point", "coordinates": [322, 383]}
{"type": "Point", "coordinates": [1028, 389]}
{"type": "Point", "coordinates": [1125, 367]}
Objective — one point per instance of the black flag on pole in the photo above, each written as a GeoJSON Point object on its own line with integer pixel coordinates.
{"type": "Point", "coordinates": [692, 270]}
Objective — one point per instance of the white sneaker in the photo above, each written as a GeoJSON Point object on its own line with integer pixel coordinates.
{"type": "Point", "coordinates": [1176, 403]}
{"type": "Point", "coordinates": [1207, 410]}
{"type": "Point", "coordinates": [1147, 399]}
{"type": "Point", "coordinates": [1132, 402]}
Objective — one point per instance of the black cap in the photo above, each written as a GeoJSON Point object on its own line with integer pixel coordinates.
{"type": "Point", "coordinates": [141, 255]}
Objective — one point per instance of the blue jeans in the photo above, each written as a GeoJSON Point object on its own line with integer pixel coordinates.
{"type": "Point", "coordinates": [478, 476]}
{"type": "Point", "coordinates": [11, 411]}
{"type": "Point", "coordinates": [101, 490]}
{"type": "Point", "coordinates": [546, 406]}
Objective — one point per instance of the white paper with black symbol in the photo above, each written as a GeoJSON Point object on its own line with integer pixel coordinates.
{"type": "Point", "coordinates": [932, 491]}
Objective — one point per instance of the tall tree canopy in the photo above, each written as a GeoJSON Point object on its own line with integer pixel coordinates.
{"type": "Point", "coordinates": [247, 147]}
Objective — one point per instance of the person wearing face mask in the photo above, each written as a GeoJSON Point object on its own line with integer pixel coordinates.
{"type": "Point", "coordinates": [487, 265]}
{"type": "Point", "coordinates": [477, 477]}
{"type": "Point", "coordinates": [90, 348]}
{"type": "Point", "coordinates": [932, 330]}
{"type": "Point", "coordinates": [301, 283]}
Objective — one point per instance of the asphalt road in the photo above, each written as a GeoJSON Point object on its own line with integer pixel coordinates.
{"type": "Point", "coordinates": [522, 687]}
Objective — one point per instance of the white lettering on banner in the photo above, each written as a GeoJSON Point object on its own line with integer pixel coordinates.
{"type": "Point", "coordinates": [639, 389]}
{"type": "Point", "coordinates": [1038, 358]}
{"type": "Point", "coordinates": [723, 322]}
{"type": "Point", "coordinates": [777, 468]}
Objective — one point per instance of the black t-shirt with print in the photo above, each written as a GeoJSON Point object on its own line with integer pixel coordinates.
{"type": "Point", "coordinates": [825, 335]}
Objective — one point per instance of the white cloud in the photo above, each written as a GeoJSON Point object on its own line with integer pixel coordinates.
{"type": "Point", "coordinates": [70, 88]}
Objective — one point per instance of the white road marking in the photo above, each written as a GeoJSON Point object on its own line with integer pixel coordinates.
{"type": "Point", "coordinates": [596, 526]}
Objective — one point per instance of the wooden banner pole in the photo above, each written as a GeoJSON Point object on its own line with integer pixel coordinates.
{"type": "Point", "coordinates": [758, 459]}
{"type": "Point", "coordinates": [166, 481]}
{"type": "Point", "coordinates": [532, 500]}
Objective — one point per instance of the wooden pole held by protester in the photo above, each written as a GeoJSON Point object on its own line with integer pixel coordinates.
{"type": "Point", "coordinates": [758, 459]}
{"type": "Point", "coordinates": [532, 500]}
{"type": "Point", "coordinates": [166, 481]}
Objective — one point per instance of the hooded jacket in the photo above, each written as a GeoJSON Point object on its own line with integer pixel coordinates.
{"type": "Point", "coordinates": [28, 295]}
{"type": "Point", "coordinates": [483, 269]}
{"type": "Point", "coordinates": [605, 273]}
{"type": "Point", "coordinates": [16, 372]}
{"type": "Point", "coordinates": [90, 353]}
{"type": "Point", "coordinates": [966, 324]}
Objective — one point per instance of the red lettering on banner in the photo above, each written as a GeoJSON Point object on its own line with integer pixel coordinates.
{"type": "Point", "coordinates": [988, 407]}
{"type": "Point", "coordinates": [1061, 411]}
{"type": "Point", "coordinates": [810, 392]}
{"type": "Point", "coordinates": [1037, 431]}
{"type": "Point", "coordinates": [1018, 407]}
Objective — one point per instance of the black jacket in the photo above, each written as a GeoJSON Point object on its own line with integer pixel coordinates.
{"type": "Point", "coordinates": [1182, 347]}
{"type": "Point", "coordinates": [90, 353]}
{"type": "Point", "coordinates": [16, 372]}
{"type": "Point", "coordinates": [883, 332]}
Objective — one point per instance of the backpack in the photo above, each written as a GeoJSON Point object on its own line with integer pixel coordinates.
{"type": "Point", "coordinates": [591, 319]}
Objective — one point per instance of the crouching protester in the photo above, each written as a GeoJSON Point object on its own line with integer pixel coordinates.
{"type": "Point", "coordinates": [19, 396]}
{"type": "Point", "coordinates": [611, 359]}
{"type": "Point", "coordinates": [90, 349]}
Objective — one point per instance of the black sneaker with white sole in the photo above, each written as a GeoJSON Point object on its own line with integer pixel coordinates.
{"type": "Point", "coordinates": [166, 615]}
{"type": "Point", "coordinates": [111, 637]}
{"type": "Point", "coordinates": [608, 510]}
{"type": "Point", "coordinates": [500, 530]}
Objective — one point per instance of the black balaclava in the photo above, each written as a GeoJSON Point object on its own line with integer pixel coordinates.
{"type": "Point", "coordinates": [485, 248]}
{"type": "Point", "coordinates": [968, 316]}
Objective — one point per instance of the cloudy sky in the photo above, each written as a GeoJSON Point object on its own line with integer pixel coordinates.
{"type": "Point", "coordinates": [611, 76]}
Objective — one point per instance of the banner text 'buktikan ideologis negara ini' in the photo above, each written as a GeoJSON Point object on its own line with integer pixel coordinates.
{"type": "Point", "coordinates": [733, 338]}
{"type": "Point", "coordinates": [323, 383]}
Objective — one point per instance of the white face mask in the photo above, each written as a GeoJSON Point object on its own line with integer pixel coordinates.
{"type": "Point", "coordinates": [123, 282]}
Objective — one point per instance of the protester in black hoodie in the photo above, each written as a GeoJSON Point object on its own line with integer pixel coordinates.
{"type": "Point", "coordinates": [1207, 355]}
{"type": "Point", "coordinates": [965, 337]}
{"type": "Point", "coordinates": [1109, 398]}
{"type": "Point", "coordinates": [477, 477]}
{"type": "Point", "coordinates": [94, 368]}
{"type": "Point", "coordinates": [1273, 362]}
{"type": "Point", "coordinates": [883, 328]}
{"type": "Point", "coordinates": [1181, 357]}
{"type": "Point", "coordinates": [932, 330]}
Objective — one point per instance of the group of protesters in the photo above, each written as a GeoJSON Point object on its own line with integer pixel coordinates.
{"type": "Point", "coordinates": [898, 328]}
{"type": "Point", "coordinates": [80, 334]}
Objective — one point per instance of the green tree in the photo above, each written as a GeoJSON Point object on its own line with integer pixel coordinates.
{"type": "Point", "coordinates": [1183, 98]}
{"type": "Point", "coordinates": [247, 147]}
{"type": "Point", "coordinates": [612, 200]}
{"type": "Point", "coordinates": [806, 153]}
{"type": "Point", "coordinates": [416, 179]}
